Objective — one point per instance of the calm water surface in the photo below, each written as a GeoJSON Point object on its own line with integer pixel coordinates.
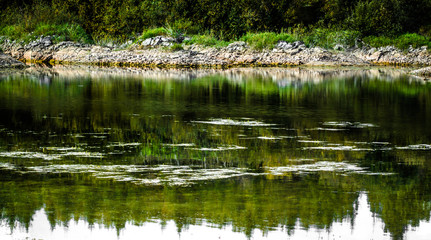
{"type": "Point", "coordinates": [88, 153]}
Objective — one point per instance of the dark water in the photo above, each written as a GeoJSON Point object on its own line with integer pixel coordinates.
{"type": "Point", "coordinates": [90, 153]}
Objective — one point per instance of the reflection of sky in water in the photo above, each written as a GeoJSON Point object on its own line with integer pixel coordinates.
{"type": "Point", "coordinates": [365, 226]}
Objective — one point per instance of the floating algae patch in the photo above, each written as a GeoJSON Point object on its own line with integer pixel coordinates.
{"type": "Point", "coordinates": [179, 144]}
{"type": "Point", "coordinates": [337, 148]}
{"type": "Point", "coordinates": [119, 144]}
{"type": "Point", "coordinates": [416, 147]}
{"type": "Point", "coordinates": [349, 124]}
{"type": "Point", "coordinates": [62, 149]}
{"type": "Point", "coordinates": [326, 129]}
{"type": "Point", "coordinates": [147, 175]}
{"type": "Point", "coordinates": [184, 175]}
{"type": "Point", "coordinates": [231, 122]}
{"type": "Point", "coordinates": [269, 138]}
{"type": "Point", "coordinates": [223, 148]}
{"type": "Point", "coordinates": [84, 154]}
{"type": "Point", "coordinates": [324, 166]}
{"type": "Point", "coordinates": [311, 141]}
{"type": "Point", "coordinates": [64, 152]}
{"type": "Point", "coordinates": [31, 155]}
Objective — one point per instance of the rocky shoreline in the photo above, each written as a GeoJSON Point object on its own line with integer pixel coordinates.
{"type": "Point", "coordinates": [7, 61]}
{"type": "Point", "coordinates": [156, 53]}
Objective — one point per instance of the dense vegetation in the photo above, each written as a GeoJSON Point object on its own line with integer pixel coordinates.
{"type": "Point", "coordinates": [223, 20]}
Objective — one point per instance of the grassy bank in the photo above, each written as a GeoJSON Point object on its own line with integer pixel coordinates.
{"type": "Point", "coordinates": [319, 37]}
{"type": "Point", "coordinates": [316, 37]}
{"type": "Point", "coordinates": [61, 32]}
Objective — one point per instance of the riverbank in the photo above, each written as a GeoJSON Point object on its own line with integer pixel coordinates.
{"type": "Point", "coordinates": [164, 52]}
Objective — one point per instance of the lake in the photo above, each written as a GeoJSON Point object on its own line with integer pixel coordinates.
{"type": "Point", "coordinates": [246, 153]}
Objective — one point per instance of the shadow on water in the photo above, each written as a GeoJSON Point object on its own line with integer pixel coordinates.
{"type": "Point", "coordinates": [276, 150]}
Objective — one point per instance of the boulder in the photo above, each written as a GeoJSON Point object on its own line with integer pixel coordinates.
{"type": "Point", "coordinates": [237, 46]}
{"type": "Point", "coordinates": [158, 41]}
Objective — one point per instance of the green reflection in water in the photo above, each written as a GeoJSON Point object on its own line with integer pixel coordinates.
{"type": "Point", "coordinates": [252, 148]}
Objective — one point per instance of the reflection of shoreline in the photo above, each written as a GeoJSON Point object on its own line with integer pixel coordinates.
{"type": "Point", "coordinates": [283, 76]}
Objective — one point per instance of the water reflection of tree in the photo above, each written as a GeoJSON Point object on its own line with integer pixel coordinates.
{"type": "Point", "coordinates": [316, 200]}
{"type": "Point", "coordinates": [132, 111]}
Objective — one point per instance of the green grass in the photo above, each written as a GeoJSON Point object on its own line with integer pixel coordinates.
{"type": "Point", "coordinates": [62, 32]}
{"type": "Point", "coordinates": [153, 33]}
{"type": "Point", "coordinates": [321, 37]}
{"type": "Point", "coordinates": [327, 38]}
{"type": "Point", "coordinates": [266, 40]}
{"type": "Point", "coordinates": [176, 47]}
{"type": "Point", "coordinates": [402, 42]}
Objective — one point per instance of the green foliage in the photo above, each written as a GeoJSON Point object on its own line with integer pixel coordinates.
{"type": "Point", "coordinates": [117, 21]}
{"type": "Point", "coordinates": [13, 32]}
{"type": "Point", "coordinates": [401, 42]}
{"type": "Point", "coordinates": [184, 26]}
{"type": "Point", "coordinates": [149, 33]}
{"type": "Point", "coordinates": [328, 38]}
{"type": "Point", "coordinates": [377, 17]}
{"type": "Point", "coordinates": [177, 47]}
{"type": "Point", "coordinates": [425, 31]}
{"type": "Point", "coordinates": [64, 32]}
{"type": "Point", "coordinates": [207, 40]}
{"type": "Point", "coordinates": [266, 39]}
